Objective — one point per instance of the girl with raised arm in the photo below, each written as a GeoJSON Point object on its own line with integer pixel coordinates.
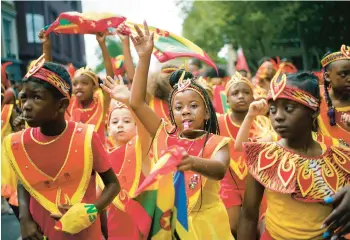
{"type": "Point", "coordinates": [194, 127]}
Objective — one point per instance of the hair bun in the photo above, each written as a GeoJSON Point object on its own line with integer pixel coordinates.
{"type": "Point", "coordinates": [175, 77]}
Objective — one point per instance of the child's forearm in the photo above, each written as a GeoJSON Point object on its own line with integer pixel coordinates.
{"type": "Point", "coordinates": [210, 168]}
{"type": "Point", "coordinates": [243, 133]}
{"type": "Point", "coordinates": [47, 51]}
{"type": "Point", "coordinates": [247, 228]}
{"type": "Point", "coordinates": [129, 65]}
{"type": "Point", "coordinates": [107, 60]}
{"type": "Point", "coordinates": [110, 191]}
{"type": "Point", "coordinates": [138, 88]}
{"type": "Point", "coordinates": [23, 203]}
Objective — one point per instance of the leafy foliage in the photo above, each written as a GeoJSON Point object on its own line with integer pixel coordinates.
{"type": "Point", "coordinates": [296, 28]}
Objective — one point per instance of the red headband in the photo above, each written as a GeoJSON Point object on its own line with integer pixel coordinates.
{"type": "Point", "coordinates": [280, 89]}
{"type": "Point", "coordinates": [46, 75]}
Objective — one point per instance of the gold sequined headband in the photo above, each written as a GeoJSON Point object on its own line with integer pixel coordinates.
{"type": "Point", "coordinates": [186, 84]}
{"type": "Point", "coordinates": [117, 105]}
{"type": "Point", "coordinates": [235, 79]}
{"type": "Point", "coordinates": [86, 71]}
{"type": "Point", "coordinates": [280, 89]}
{"type": "Point", "coordinates": [344, 53]}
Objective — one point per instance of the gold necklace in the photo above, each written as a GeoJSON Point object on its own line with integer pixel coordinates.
{"type": "Point", "coordinates": [63, 165]}
{"type": "Point", "coordinates": [46, 143]}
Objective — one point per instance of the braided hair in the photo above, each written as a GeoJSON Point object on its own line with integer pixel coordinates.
{"type": "Point", "coordinates": [211, 125]}
{"type": "Point", "coordinates": [60, 71]}
{"type": "Point", "coordinates": [331, 108]}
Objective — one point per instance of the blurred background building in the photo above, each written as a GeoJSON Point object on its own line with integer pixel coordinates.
{"type": "Point", "coordinates": [21, 24]}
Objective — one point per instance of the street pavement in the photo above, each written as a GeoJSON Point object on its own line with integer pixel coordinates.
{"type": "Point", "coordinates": [9, 227]}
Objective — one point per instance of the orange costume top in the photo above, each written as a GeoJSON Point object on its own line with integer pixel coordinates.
{"type": "Point", "coordinates": [160, 107]}
{"type": "Point", "coordinates": [126, 162]}
{"type": "Point", "coordinates": [207, 217]}
{"type": "Point", "coordinates": [56, 171]}
{"type": "Point", "coordinates": [339, 131]}
{"type": "Point", "coordinates": [295, 187]}
{"type": "Point", "coordinates": [233, 184]}
{"type": "Point", "coordinates": [91, 115]}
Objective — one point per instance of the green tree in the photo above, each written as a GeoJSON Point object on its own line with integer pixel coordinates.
{"type": "Point", "coordinates": [268, 28]}
{"type": "Point", "coordinates": [114, 47]}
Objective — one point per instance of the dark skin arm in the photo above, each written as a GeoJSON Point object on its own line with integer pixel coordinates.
{"type": "Point", "coordinates": [339, 218]}
{"type": "Point", "coordinates": [129, 65]}
{"type": "Point", "coordinates": [104, 223]}
{"type": "Point", "coordinates": [111, 190]}
{"type": "Point", "coordinates": [45, 40]}
{"type": "Point", "coordinates": [249, 217]}
{"type": "Point", "coordinates": [215, 168]}
{"type": "Point", "coordinates": [101, 39]}
{"type": "Point", "coordinates": [143, 43]}
{"type": "Point", "coordinates": [29, 228]}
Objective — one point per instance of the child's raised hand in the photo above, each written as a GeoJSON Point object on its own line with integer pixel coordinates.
{"type": "Point", "coordinates": [120, 32]}
{"type": "Point", "coordinates": [118, 92]}
{"type": "Point", "coordinates": [43, 38]}
{"type": "Point", "coordinates": [143, 41]}
{"type": "Point", "coordinates": [101, 37]}
{"type": "Point", "coordinates": [257, 108]}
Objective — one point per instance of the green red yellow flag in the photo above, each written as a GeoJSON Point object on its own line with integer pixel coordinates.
{"type": "Point", "coordinates": [168, 46]}
{"type": "Point", "coordinates": [84, 23]}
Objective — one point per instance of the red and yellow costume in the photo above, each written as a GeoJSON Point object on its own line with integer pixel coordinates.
{"type": "Point", "coordinates": [295, 186]}
{"type": "Point", "coordinates": [233, 184]}
{"type": "Point", "coordinates": [94, 114]}
{"type": "Point", "coordinates": [6, 128]}
{"type": "Point", "coordinates": [329, 120]}
{"type": "Point", "coordinates": [339, 131]}
{"type": "Point", "coordinates": [126, 162]}
{"type": "Point", "coordinates": [64, 179]}
{"type": "Point", "coordinates": [7, 177]}
{"type": "Point", "coordinates": [207, 217]}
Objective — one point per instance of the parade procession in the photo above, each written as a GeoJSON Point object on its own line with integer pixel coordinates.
{"type": "Point", "coordinates": [173, 135]}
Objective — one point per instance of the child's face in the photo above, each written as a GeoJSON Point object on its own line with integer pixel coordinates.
{"type": "Point", "coordinates": [189, 108]}
{"type": "Point", "coordinates": [290, 119]}
{"type": "Point", "coordinates": [83, 87]}
{"type": "Point", "coordinates": [216, 81]}
{"type": "Point", "coordinates": [38, 104]}
{"type": "Point", "coordinates": [339, 75]}
{"type": "Point", "coordinates": [239, 97]}
{"type": "Point", "coordinates": [122, 127]}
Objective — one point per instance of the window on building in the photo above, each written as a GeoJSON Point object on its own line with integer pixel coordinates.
{"type": "Point", "coordinates": [68, 45]}
{"type": "Point", "coordinates": [74, 5]}
{"type": "Point", "coordinates": [77, 47]}
{"type": "Point", "coordinates": [34, 23]}
{"type": "Point", "coordinates": [7, 24]}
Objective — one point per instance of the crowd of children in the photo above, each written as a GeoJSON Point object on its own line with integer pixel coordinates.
{"type": "Point", "coordinates": [273, 164]}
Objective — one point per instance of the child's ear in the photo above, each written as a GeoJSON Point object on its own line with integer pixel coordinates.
{"type": "Point", "coordinates": [326, 76]}
{"type": "Point", "coordinates": [63, 105]}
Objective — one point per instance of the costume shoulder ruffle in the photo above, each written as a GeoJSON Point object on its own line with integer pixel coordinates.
{"type": "Point", "coordinates": [306, 179]}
